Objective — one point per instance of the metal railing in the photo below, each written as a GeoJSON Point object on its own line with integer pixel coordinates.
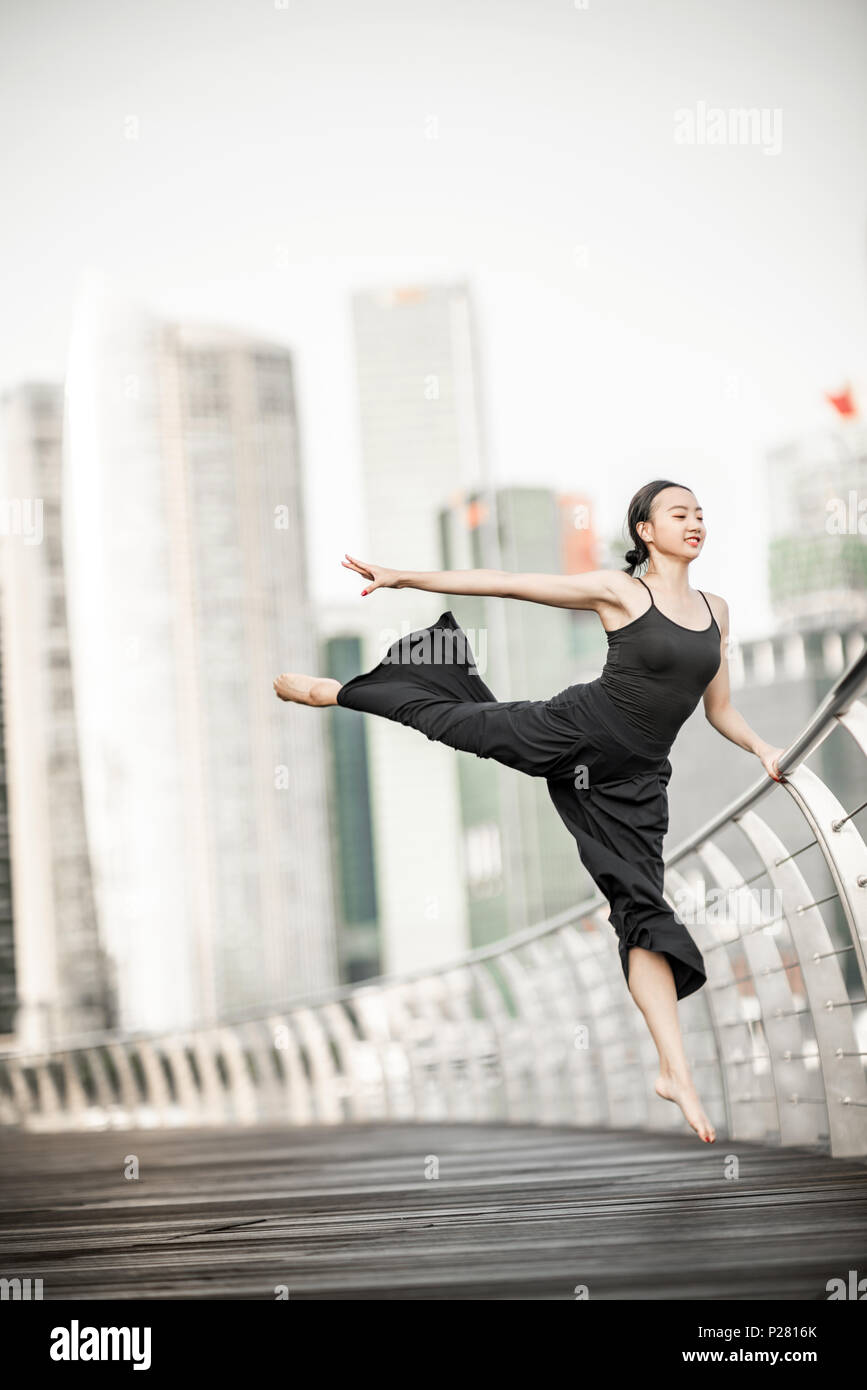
{"type": "Point", "coordinates": [540, 1027]}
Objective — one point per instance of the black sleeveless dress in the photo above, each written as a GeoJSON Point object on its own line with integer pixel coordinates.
{"type": "Point", "coordinates": [602, 747]}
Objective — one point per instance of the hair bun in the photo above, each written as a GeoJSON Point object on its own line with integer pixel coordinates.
{"type": "Point", "coordinates": [632, 556]}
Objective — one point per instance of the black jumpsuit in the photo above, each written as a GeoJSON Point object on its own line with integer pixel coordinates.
{"type": "Point", "coordinates": [602, 747]}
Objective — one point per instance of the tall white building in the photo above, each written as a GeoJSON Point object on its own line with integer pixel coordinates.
{"type": "Point", "coordinates": [205, 797]}
{"type": "Point", "coordinates": [419, 418]}
{"type": "Point", "coordinates": [61, 981]}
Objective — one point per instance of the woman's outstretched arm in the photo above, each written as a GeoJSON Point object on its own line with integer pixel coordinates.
{"type": "Point", "coordinates": [555, 590]}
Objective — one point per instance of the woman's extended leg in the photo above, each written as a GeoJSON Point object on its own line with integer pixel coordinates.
{"type": "Point", "coordinates": [651, 984]}
{"type": "Point", "coordinates": [453, 708]}
{"type": "Point", "coordinates": [307, 690]}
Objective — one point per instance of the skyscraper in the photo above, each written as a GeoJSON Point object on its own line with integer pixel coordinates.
{"type": "Point", "coordinates": [352, 838]}
{"type": "Point", "coordinates": [205, 798]}
{"type": "Point", "coordinates": [63, 979]}
{"type": "Point", "coordinates": [417, 386]}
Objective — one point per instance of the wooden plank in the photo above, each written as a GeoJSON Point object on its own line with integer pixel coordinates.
{"type": "Point", "coordinates": [353, 1212]}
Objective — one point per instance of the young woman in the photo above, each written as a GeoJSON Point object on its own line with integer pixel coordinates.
{"type": "Point", "coordinates": [601, 746]}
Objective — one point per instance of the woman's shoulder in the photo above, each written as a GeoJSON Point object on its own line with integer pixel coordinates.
{"type": "Point", "coordinates": [620, 582]}
{"type": "Point", "coordinates": [718, 607]}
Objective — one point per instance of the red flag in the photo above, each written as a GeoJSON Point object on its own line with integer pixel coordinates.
{"type": "Point", "coordinates": [844, 404]}
{"type": "Point", "coordinates": [475, 514]}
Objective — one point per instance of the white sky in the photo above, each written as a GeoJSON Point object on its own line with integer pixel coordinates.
{"type": "Point", "coordinates": [283, 161]}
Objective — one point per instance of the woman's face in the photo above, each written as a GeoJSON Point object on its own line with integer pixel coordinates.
{"type": "Point", "coordinates": [676, 527]}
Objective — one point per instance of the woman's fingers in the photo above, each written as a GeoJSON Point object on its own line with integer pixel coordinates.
{"type": "Point", "coordinates": [358, 565]}
{"type": "Point", "coordinates": [358, 568]}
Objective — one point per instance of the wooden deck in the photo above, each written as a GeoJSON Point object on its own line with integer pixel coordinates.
{"type": "Point", "coordinates": [355, 1212]}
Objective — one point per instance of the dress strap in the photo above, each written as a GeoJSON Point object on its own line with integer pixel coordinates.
{"type": "Point", "coordinates": [709, 609]}
{"type": "Point", "coordinates": [641, 581]}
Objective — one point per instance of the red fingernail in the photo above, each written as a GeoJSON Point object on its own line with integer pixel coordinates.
{"type": "Point", "coordinates": [363, 592]}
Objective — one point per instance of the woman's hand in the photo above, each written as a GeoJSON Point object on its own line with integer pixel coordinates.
{"type": "Point", "coordinates": [767, 756]}
{"type": "Point", "coordinates": [380, 577]}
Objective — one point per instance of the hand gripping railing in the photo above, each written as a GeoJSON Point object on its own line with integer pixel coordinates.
{"type": "Point", "coordinates": [541, 1028]}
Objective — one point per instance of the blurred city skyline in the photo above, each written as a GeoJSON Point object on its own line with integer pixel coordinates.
{"type": "Point", "coordinates": [644, 307]}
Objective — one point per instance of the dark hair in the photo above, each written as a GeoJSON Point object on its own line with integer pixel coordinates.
{"type": "Point", "coordinates": [639, 510]}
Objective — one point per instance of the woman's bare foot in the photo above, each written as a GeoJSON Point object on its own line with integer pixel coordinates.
{"type": "Point", "coordinates": [684, 1094]}
{"type": "Point", "coordinates": [307, 690]}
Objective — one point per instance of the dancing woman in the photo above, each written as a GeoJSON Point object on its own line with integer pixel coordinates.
{"type": "Point", "coordinates": [602, 746]}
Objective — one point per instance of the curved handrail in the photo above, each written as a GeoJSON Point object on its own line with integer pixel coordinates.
{"type": "Point", "coordinates": [838, 700]}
